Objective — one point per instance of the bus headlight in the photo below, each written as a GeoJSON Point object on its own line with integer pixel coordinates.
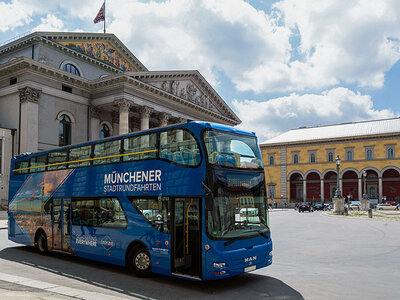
{"type": "Point", "coordinates": [219, 265]}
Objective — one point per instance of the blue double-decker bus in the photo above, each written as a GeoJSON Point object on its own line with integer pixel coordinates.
{"type": "Point", "coordinates": [186, 200]}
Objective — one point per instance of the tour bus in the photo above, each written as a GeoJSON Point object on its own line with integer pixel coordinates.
{"type": "Point", "coordinates": [186, 200]}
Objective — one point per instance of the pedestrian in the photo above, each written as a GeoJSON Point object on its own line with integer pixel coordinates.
{"type": "Point", "coordinates": [285, 204]}
{"type": "Point", "coordinates": [397, 206]}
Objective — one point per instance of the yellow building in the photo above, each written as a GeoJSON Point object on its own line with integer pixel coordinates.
{"type": "Point", "coordinates": [300, 164]}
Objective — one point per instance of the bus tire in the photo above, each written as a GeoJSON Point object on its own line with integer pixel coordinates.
{"type": "Point", "coordinates": [41, 243]}
{"type": "Point", "coordinates": [139, 262]}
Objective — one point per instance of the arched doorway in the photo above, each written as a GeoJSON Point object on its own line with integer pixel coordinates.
{"type": "Point", "coordinates": [296, 187]}
{"type": "Point", "coordinates": [372, 185]}
{"type": "Point", "coordinates": [313, 185]}
{"type": "Point", "coordinates": [350, 185]}
{"type": "Point", "coordinates": [329, 185]}
{"type": "Point", "coordinates": [391, 184]}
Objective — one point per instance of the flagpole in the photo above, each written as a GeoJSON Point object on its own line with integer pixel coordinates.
{"type": "Point", "coordinates": [104, 16]}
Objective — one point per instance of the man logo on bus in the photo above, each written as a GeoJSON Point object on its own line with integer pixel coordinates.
{"type": "Point", "coordinates": [250, 259]}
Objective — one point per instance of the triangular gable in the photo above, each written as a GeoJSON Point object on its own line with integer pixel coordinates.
{"type": "Point", "coordinates": [103, 51]}
{"type": "Point", "coordinates": [104, 47]}
{"type": "Point", "coordinates": [188, 85]}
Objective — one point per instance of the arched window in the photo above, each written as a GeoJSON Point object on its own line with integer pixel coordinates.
{"type": "Point", "coordinates": [104, 131]}
{"type": "Point", "coordinates": [330, 156]}
{"type": "Point", "coordinates": [312, 158]}
{"type": "Point", "coordinates": [71, 69]}
{"type": "Point", "coordinates": [64, 130]}
{"type": "Point", "coordinates": [349, 155]}
{"type": "Point", "coordinates": [296, 159]}
{"type": "Point", "coordinates": [369, 154]}
{"type": "Point", "coordinates": [271, 160]}
{"type": "Point", "coordinates": [390, 153]}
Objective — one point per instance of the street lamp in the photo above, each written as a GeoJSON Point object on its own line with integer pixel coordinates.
{"type": "Point", "coordinates": [338, 192]}
{"type": "Point", "coordinates": [365, 185]}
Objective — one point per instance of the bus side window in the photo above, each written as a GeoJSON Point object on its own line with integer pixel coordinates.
{"type": "Point", "coordinates": [78, 154]}
{"type": "Point", "coordinates": [98, 212]}
{"type": "Point", "coordinates": [179, 146]}
{"type": "Point", "coordinates": [22, 165]}
{"type": "Point", "coordinates": [57, 160]}
{"type": "Point", "coordinates": [37, 161]}
{"type": "Point", "coordinates": [107, 152]}
{"type": "Point", "coordinates": [140, 147]}
{"type": "Point", "coordinates": [155, 210]}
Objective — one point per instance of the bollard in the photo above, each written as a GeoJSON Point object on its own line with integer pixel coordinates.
{"type": "Point", "coordinates": [370, 213]}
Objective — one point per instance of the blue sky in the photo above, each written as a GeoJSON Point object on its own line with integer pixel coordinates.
{"type": "Point", "coordinates": [278, 64]}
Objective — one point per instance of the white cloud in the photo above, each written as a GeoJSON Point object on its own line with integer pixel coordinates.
{"type": "Point", "coordinates": [13, 15]}
{"type": "Point", "coordinates": [275, 116]}
{"type": "Point", "coordinates": [50, 23]}
{"type": "Point", "coordinates": [350, 42]}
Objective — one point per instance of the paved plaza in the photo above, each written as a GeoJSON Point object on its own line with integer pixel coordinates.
{"type": "Point", "coordinates": [316, 256]}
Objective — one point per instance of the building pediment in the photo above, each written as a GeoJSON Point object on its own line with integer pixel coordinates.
{"type": "Point", "coordinates": [190, 86]}
{"type": "Point", "coordinates": [104, 47]}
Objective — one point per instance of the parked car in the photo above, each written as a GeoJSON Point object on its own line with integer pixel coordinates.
{"type": "Point", "coordinates": [305, 206]}
{"type": "Point", "coordinates": [355, 205]}
{"type": "Point", "coordinates": [385, 206]}
{"type": "Point", "coordinates": [393, 203]}
{"type": "Point", "coordinates": [328, 206]}
{"type": "Point", "coordinates": [319, 206]}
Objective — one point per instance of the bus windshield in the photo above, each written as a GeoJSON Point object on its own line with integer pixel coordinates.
{"type": "Point", "coordinates": [238, 207]}
{"type": "Point", "coordinates": [232, 150]}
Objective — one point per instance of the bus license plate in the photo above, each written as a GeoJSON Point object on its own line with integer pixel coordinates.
{"type": "Point", "coordinates": [249, 269]}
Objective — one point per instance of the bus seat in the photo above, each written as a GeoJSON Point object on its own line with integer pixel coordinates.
{"type": "Point", "coordinates": [186, 155]}
{"type": "Point", "coordinates": [225, 160]}
{"type": "Point", "coordinates": [166, 154]}
{"type": "Point", "coordinates": [178, 157]}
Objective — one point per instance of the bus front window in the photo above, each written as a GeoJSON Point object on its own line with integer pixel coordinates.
{"type": "Point", "coordinates": [236, 214]}
{"type": "Point", "coordinates": [232, 150]}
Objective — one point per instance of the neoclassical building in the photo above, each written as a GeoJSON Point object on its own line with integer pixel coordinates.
{"type": "Point", "coordinates": [300, 164]}
{"type": "Point", "coordinates": [59, 88]}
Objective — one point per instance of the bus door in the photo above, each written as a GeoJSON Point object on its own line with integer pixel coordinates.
{"type": "Point", "coordinates": [186, 237]}
{"type": "Point", "coordinates": [62, 224]}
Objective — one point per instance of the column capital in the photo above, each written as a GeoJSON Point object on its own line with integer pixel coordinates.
{"type": "Point", "coordinates": [28, 94]}
{"type": "Point", "coordinates": [164, 117]}
{"type": "Point", "coordinates": [94, 112]}
{"type": "Point", "coordinates": [123, 104]}
{"type": "Point", "coordinates": [145, 111]}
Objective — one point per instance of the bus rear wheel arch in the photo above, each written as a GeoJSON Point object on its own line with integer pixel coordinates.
{"type": "Point", "coordinates": [138, 260]}
{"type": "Point", "coordinates": [41, 242]}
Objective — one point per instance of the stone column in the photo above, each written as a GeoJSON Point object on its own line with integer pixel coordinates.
{"type": "Point", "coordinates": [322, 191]}
{"type": "Point", "coordinates": [360, 193]}
{"type": "Point", "coordinates": [164, 117]}
{"type": "Point", "coordinates": [124, 106]}
{"type": "Point", "coordinates": [94, 123]}
{"type": "Point", "coordinates": [304, 190]}
{"type": "Point", "coordinates": [145, 112]}
{"type": "Point", "coordinates": [29, 130]}
{"type": "Point", "coordinates": [380, 188]}
{"type": "Point", "coordinates": [115, 122]}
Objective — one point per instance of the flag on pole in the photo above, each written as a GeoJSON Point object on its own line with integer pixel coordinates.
{"type": "Point", "coordinates": [100, 15]}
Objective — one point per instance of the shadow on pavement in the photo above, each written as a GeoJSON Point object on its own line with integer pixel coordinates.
{"type": "Point", "coordinates": [250, 286]}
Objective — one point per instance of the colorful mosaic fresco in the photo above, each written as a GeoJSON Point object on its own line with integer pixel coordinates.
{"type": "Point", "coordinates": [103, 51]}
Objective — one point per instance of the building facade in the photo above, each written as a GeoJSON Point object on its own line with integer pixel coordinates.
{"type": "Point", "coordinates": [63, 88]}
{"type": "Point", "coordinates": [300, 165]}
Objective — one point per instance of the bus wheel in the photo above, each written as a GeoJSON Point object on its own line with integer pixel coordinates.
{"type": "Point", "coordinates": [139, 262]}
{"type": "Point", "coordinates": [41, 243]}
